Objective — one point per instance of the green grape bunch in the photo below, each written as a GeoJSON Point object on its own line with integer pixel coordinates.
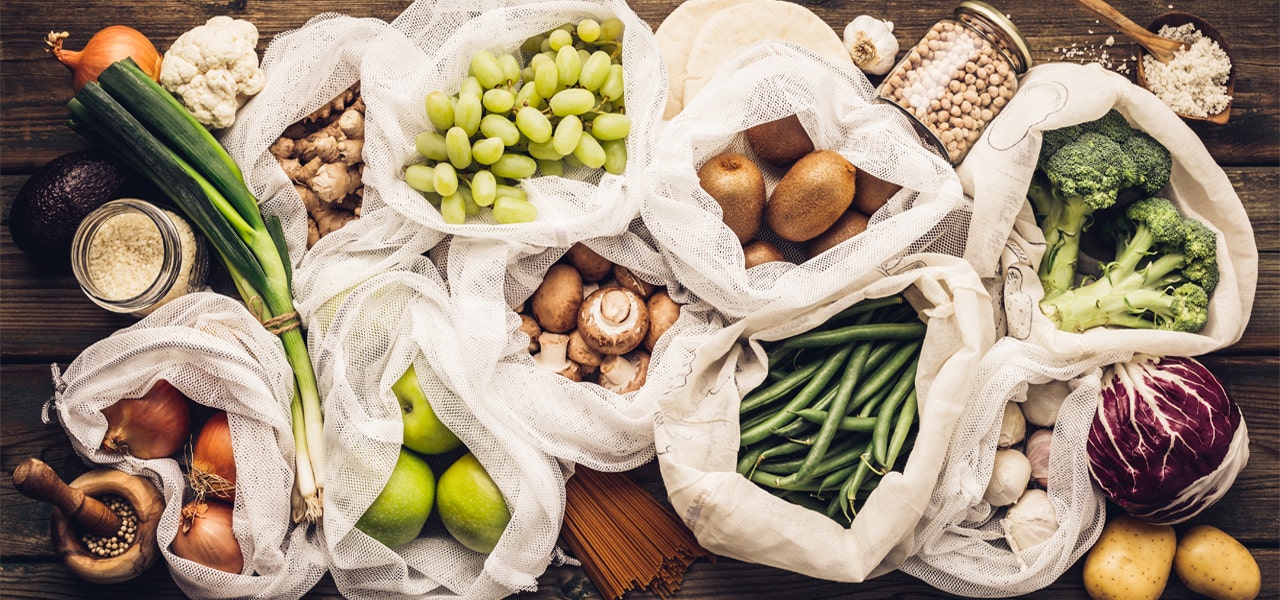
{"type": "Point", "coordinates": [563, 107]}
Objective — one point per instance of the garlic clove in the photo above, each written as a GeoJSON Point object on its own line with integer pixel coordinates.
{"type": "Point", "coordinates": [1038, 455]}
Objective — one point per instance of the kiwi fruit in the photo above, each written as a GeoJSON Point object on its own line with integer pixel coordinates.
{"type": "Point", "coordinates": [780, 143]}
{"type": "Point", "coordinates": [760, 252]}
{"type": "Point", "coordinates": [873, 193]}
{"type": "Point", "coordinates": [737, 186]}
{"type": "Point", "coordinates": [851, 223]}
{"type": "Point", "coordinates": [811, 196]}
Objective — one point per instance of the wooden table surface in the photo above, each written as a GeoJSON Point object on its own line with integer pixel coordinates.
{"type": "Point", "coordinates": [44, 318]}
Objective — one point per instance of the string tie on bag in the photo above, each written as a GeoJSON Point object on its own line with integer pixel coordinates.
{"type": "Point", "coordinates": [275, 325]}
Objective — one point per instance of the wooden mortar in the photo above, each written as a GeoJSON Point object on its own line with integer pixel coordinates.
{"type": "Point", "coordinates": [77, 510]}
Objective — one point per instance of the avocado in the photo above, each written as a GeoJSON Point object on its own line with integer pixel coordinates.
{"type": "Point", "coordinates": [49, 207]}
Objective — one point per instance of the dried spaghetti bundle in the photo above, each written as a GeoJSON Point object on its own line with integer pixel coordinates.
{"type": "Point", "coordinates": [624, 537]}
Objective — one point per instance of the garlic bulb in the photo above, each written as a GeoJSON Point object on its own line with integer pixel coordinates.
{"type": "Point", "coordinates": [1009, 478]}
{"type": "Point", "coordinates": [1031, 521]}
{"type": "Point", "coordinates": [871, 43]}
{"type": "Point", "coordinates": [1043, 402]}
{"type": "Point", "coordinates": [1013, 427]}
{"type": "Point", "coordinates": [1038, 455]}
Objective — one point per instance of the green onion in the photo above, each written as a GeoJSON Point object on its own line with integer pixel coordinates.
{"type": "Point", "coordinates": [143, 125]}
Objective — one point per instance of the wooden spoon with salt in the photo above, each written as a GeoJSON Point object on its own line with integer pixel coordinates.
{"type": "Point", "coordinates": [1161, 48]}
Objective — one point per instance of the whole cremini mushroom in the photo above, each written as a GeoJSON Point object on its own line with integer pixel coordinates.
{"type": "Point", "coordinates": [628, 280]}
{"type": "Point", "coordinates": [613, 320]}
{"type": "Point", "coordinates": [582, 354]}
{"type": "Point", "coordinates": [623, 373]}
{"type": "Point", "coordinates": [555, 303]}
{"type": "Point", "coordinates": [554, 357]}
{"type": "Point", "coordinates": [663, 313]}
{"type": "Point", "coordinates": [530, 328]}
{"type": "Point", "coordinates": [592, 266]}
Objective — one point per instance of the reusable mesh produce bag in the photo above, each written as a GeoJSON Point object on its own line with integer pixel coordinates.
{"type": "Point", "coordinates": [960, 546]}
{"type": "Point", "coordinates": [1006, 245]}
{"type": "Point", "coordinates": [769, 81]}
{"type": "Point", "coordinates": [434, 43]}
{"type": "Point", "coordinates": [212, 350]}
{"type": "Point", "coordinates": [697, 430]}
{"type": "Point", "coordinates": [368, 338]}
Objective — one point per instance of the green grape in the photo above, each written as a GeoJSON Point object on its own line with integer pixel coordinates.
{"type": "Point", "coordinates": [594, 70]}
{"type": "Point", "coordinates": [531, 45]}
{"type": "Point", "coordinates": [514, 166]}
{"type": "Point", "coordinates": [545, 45]}
{"type": "Point", "coordinates": [467, 116]}
{"type": "Point", "coordinates": [568, 130]}
{"type": "Point", "coordinates": [510, 68]}
{"type": "Point", "coordinates": [613, 86]}
{"type": "Point", "coordinates": [546, 78]}
{"type": "Point", "coordinates": [572, 161]}
{"type": "Point", "coordinates": [544, 150]}
{"type": "Point", "coordinates": [508, 191]}
{"type": "Point", "coordinates": [551, 167]}
{"type": "Point", "coordinates": [534, 124]}
{"type": "Point", "coordinates": [498, 100]}
{"type": "Point", "coordinates": [433, 198]}
{"type": "Point", "coordinates": [458, 146]}
{"type": "Point", "coordinates": [508, 211]}
{"type": "Point", "coordinates": [498, 126]}
{"type": "Point", "coordinates": [607, 107]}
{"type": "Point", "coordinates": [487, 69]}
{"type": "Point", "coordinates": [568, 65]}
{"type": "Point", "coordinates": [453, 209]}
{"type": "Point", "coordinates": [611, 126]}
{"type": "Point", "coordinates": [469, 206]}
{"type": "Point", "coordinates": [471, 87]}
{"type": "Point", "coordinates": [583, 55]}
{"type": "Point", "coordinates": [537, 61]}
{"type": "Point", "coordinates": [445, 179]}
{"type": "Point", "coordinates": [560, 39]}
{"type": "Point", "coordinates": [431, 145]}
{"type": "Point", "coordinates": [610, 29]}
{"type": "Point", "coordinates": [568, 28]}
{"type": "Point", "coordinates": [529, 96]}
{"type": "Point", "coordinates": [419, 177]}
{"type": "Point", "coordinates": [488, 150]}
{"type": "Point", "coordinates": [615, 156]}
{"type": "Point", "coordinates": [588, 30]}
{"type": "Point", "coordinates": [439, 111]}
{"type": "Point", "coordinates": [484, 187]}
{"type": "Point", "coordinates": [589, 152]}
{"type": "Point", "coordinates": [527, 73]}
{"type": "Point", "coordinates": [573, 101]}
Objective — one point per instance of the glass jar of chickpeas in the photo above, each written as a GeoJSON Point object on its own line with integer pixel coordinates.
{"type": "Point", "coordinates": [959, 76]}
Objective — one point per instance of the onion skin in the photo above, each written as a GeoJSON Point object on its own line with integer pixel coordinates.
{"type": "Point", "coordinates": [109, 45]}
{"type": "Point", "coordinates": [206, 537]}
{"type": "Point", "coordinates": [213, 464]}
{"type": "Point", "coordinates": [153, 426]}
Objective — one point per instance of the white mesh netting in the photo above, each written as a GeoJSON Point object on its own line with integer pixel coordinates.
{"type": "Point", "coordinates": [697, 430]}
{"type": "Point", "coordinates": [210, 348]}
{"type": "Point", "coordinates": [769, 81]}
{"type": "Point", "coordinates": [960, 545]}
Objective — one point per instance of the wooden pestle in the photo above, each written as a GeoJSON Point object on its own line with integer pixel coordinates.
{"type": "Point", "coordinates": [36, 480]}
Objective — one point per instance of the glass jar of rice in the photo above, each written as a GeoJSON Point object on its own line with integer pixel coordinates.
{"type": "Point", "coordinates": [131, 256]}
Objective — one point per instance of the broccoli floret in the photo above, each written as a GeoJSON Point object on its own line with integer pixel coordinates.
{"type": "Point", "coordinates": [1160, 279]}
{"type": "Point", "coordinates": [1112, 125]}
{"type": "Point", "coordinates": [1152, 161]}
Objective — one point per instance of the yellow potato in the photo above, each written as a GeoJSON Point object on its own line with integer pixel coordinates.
{"type": "Point", "coordinates": [1214, 564]}
{"type": "Point", "coordinates": [1131, 561]}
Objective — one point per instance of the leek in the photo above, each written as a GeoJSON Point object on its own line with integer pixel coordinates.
{"type": "Point", "coordinates": [141, 123]}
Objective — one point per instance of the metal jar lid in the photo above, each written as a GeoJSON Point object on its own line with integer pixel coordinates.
{"type": "Point", "coordinates": [1020, 52]}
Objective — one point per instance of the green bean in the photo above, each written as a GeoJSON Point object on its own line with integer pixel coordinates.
{"type": "Point", "coordinates": [885, 374]}
{"type": "Point", "coordinates": [835, 478]}
{"type": "Point", "coordinates": [901, 429]}
{"type": "Point", "coordinates": [774, 480]}
{"type": "Point", "coordinates": [880, 436]}
{"type": "Point", "coordinates": [749, 461]}
{"type": "Point", "coordinates": [783, 449]}
{"type": "Point", "coordinates": [811, 389]}
{"type": "Point", "coordinates": [856, 333]}
{"type": "Point", "coordinates": [842, 454]}
{"type": "Point", "coordinates": [764, 396]}
{"type": "Point", "coordinates": [850, 487]}
{"type": "Point", "coordinates": [866, 306]}
{"type": "Point", "coordinates": [869, 409]}
{"type": "Point", "coordinates": [846, 424]}
{"type": "Point", "coordinates": [882, 352]}
{"type": "Point", "coordinates": [844, 392]}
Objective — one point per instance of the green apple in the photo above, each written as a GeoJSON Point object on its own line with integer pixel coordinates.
{"type": "Point", "coordinates": [401, 509]}
{"type": "Point", "coordinates": [423, 431]}
{"type": "Point", "coordinates": [471, 505]}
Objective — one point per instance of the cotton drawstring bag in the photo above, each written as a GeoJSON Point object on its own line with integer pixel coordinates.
{"type": "Point", "coordinates": [212, 350]}
{"type": "Point", "coordinates": [1005, 243]}
{"type": "Point", "coordinates": [371, 335]}
{"type": "Point", "coordinates": [769, 81]}
{"type": "Point", "coordinates": [697, 430]}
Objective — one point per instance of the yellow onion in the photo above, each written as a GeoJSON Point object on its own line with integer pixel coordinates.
{"type": "Point", "coordinates": [206, 537]}
{"type": "Point", "coordinates": [153, 426]}
{"type": "Point", "coordinates": [109, 45]}
{"type": "Point", "coordinates": [213, 465]}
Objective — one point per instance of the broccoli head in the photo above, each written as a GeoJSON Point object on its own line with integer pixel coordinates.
{"type": "Point", "coordinates": [1152, 162]}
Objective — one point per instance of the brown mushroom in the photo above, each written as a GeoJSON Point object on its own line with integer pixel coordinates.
{"type": "Point", "coordinates": [760, 252]}
{"type": "Point", "coordinates": [663, 312]}
{"type": "Point", "coordinates": [628, 280]}
{"type": "Point", "coordinates": [555, 303]}
{"type": "Point", "coordinates": [530, 328]}
{"type": "Point", "coordinates": [553, 356]}
{"type": "Point", "coordinates": [592, 266]}
{"type": "Point", "coordinates": [613, 320]}
{"type": "Point", "coordinates": [624, 373]}
{"type": "Point", "coordinates": [582, 354]}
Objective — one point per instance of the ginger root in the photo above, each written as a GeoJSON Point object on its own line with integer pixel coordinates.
{"type": "Point", "coordinates": [322, 155]}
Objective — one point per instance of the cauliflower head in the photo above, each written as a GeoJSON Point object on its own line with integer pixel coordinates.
{"type": "Point", "coordinates": [213, 69]}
